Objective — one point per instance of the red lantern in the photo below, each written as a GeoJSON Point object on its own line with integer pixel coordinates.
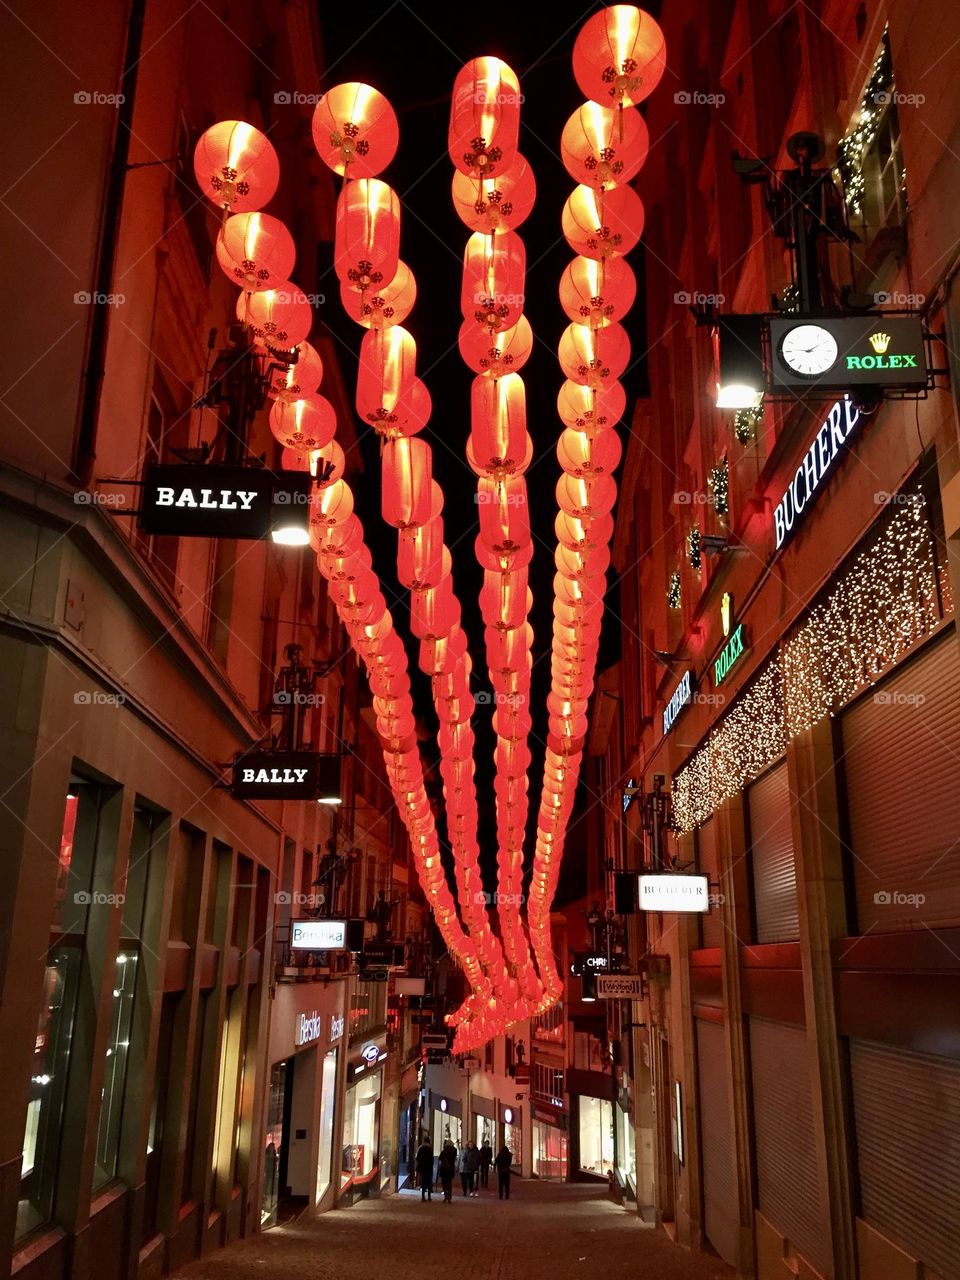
{"type": "Point", "coordinates": [484, 118]}
{"type": "Point", "coordinates": [278, 319]}
{"type": "Point", "coordinates": [619, 56]}
{"type": "Point", "coordinates": [366, 246]}
{"type": "Point", "coordinates": [597, 293]}
{"type": "Point", "coordinates": [594, 357]}
{"type": "Point", "coordinates": [355, 130]}
{"type": "Point", "coordinates": [503, 561]}
{"type": "Point", "coordinates": [578, 534]}
{"type": "Point", "coordinates": [420, 555]}
{"type": "Point", "coordinates": [494, 276]}
{"type": "Point", "coordinates": [407, 467]}
{"type": "Point", "coordinates": [303, 425]}
{"type": "Point", "coordinates": [504, 514]}
{"type": "Point", "coordinates": [582, 455]}
{"type": "Point", "coordinates": [388, 360]}
{"type": "Point", "coordinates": [328, 464]}
{"type": "Point", "coordinates": [603, 147]}
{"type": "Point", "coordinates": [494, 354]}
{"type": "Point", "coordinates": [587, 409]}
{"type": "Point", "coordinates": [236, 166]}
{"type": "Point", "coordinates": [499, 423]}
{"type": "Point", "coordinates": [300, 377]}
{"type": "Point", "coordinates": [502, 203]}
{"type": "Point", "coordinates": [384, 305]}
{"type": "Point", "coordinates": [332, 505]}
{"type": "Point", "coordinates": [602, 224]}
{"type": "Point", "coordinates": [256, 251]}
{"type": "Point", "coordinates": [586, 497]}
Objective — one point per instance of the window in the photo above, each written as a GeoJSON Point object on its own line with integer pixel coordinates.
{"type": "Point", "coordinates": [328, 1093]}
{"type": "Point", "coordinates": [596, 1135]}
{"type": "Point", "coordinates": [870, 159]}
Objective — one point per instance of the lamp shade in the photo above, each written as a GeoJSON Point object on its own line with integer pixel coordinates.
{"type": "Point", "coordinates": [602, 147]}
{"type": "Point", "coordinates": [499, 203]}
{"type": "Point", "coordinates": [255, 251]}
{"type": "Point", "coordinates": [236, 166]}
{"type": "Point", "coordinates": [355, 130]}
{"type": "Point", "coordinates": [602, 224]}
{"type": "Point", "coordinates": [619, 56]}
{"type": "Point", "coordinates": [484, 118]}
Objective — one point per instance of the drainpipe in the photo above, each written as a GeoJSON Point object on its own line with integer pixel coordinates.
{"type": "Point", "coordinates": [85, 451]}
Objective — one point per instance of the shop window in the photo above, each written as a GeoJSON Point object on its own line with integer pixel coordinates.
{"type": "Point", "coordinates": [273, 1127]}
{"type": "Point", "coordinates": [870, 157]}
{"type": "Point", "coordinates": [596, 1135]}
{"type": "Point", "coordinates": [328, 1098]}
{"type": "Point", "coordinates": [115, 1075]}
{"type": "Point", "coordinates": [549, 1152]}
{"type": "Point", "coordinates": [588, 1054]}
{"type": "Point", "coordinates": [361, 1131]}
{"type": "Point", "coordinates": [626, 1149]}
{"type": "Point", "coordinates": [158, 1111]}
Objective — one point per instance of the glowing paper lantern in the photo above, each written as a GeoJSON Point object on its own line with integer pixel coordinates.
{"type": "Point", "coordinates": [278, 319]}
{"type": "Point", "coordinates": [256, 251]}
{"type": "Point", "coordinates": [602, 224]}
{"type": "Point", "coordinates": [502, 203]}
{"type": "Point", "coordinates": [587, 409]}
{"type": "Point", "coordinates": [484, 118]}
{"type": "Point", "coordinates": [619, 56]}
{"type": "Point", "coordinates": [366, 245]}
{"type": "Point", "coordinates": [594, 357]}
{"type": "Point", "coordinates": [236, 166]}
{"type": "Point", "coordinates": [304, 425]}
{"type": "Point", "coordinates": [298, 378]}
{"type": "Point", "coordinates": [407, 466]}
{"type": "Point", "coordinates": [328, 464]}
{"type": "Point", "coordinates": [499, 423]}
{"type": "Point", "coordinates": [581, 455]}
{"type": "Point", "coordinates": [494, 354]}
{"type": "Point", "coordinates": [494, 275]}
{"type": "Point", "coordinates": [355, 130]}
{"type": "Point", "coordinates": [602, 147]}
{"type": "Point", "coordinates": [421, 556]}
{"type": "Point", "coordinates": [383, 305]}
{"type": "Point", "coordinates": [597, 293]}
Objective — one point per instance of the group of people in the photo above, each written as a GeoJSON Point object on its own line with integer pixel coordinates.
{"type": "Point", "coordinates": [470, 1161]}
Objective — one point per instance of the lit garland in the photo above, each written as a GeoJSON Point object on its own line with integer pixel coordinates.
{"type": "Point", "coordinates": [851, 148]}
{"type": "Point", "coordinates": [789, 298]}
{"type": "Point", "coordinates": [674, 591]}
{"type": "Point", "coordinates": [886, 601]}
{"type": "Point", "coordinates": [719, 482]}
{"type": "Point", "coordinates": [694, 551]}
{"type": "Point", "coordinates": [745, 424]}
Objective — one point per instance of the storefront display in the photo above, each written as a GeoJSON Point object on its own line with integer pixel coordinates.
{"type": "Point", "coordinates": [361, 1132]}
{"type": "Point", "coordinates": [549, 1152]}
{"type": "Point", "coordinates": [626, 1149]}
{"type": "Point", "coordinates": [596, 1136]}
{"type": "Point", "coordinates": [328, 1093]}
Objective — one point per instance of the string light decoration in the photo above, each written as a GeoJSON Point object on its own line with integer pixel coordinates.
{"type": "Point", "coordinates": [872, 105]}
{"type": "Point", "coordinates": [719, 483]}
{"type": "Point", "coordinates": [789, 299]}
{"type": "Point", "coordinates": [746, 422]}
{"type": "Point", "coordinates": [694, 548]}
{"type": "Point", "coordinates": [884, 603]}
{"type": "Point", "coordinates": [674, 590]}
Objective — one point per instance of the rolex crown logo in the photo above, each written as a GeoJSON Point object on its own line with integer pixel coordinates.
{"type": "Point", "coordinates": [879, 342]}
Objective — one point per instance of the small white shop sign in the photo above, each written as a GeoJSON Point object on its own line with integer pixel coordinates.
{"type": "Point", "coordinates": [318, 935]}
{"type": "Point", "coordinates": [619, 986]}
{"type": "Point", "coordinates": [309, 1028]}
{"type": "Point", "coordinates": [671, 892]}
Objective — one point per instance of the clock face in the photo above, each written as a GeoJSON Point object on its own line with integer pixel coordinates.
{"type": "Point", "coordinates": [808, 350]}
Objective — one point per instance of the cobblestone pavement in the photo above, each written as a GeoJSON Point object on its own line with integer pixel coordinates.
{"type": "Point", "coordinates": [544, 1231]}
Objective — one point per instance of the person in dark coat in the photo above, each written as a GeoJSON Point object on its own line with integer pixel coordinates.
{"type": "Point", "coordinates": [473, 1169]}
{"type": "Point", "coordinates": [424, 1163]}
{"type": "Point", "coordinates": [448, 1167]}
{"type": "Point", "coordinates": [486, 1160]}
{"type": "Point", "coordinates": [503, 1163]}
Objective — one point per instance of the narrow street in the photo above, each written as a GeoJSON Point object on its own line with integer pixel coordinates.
{"type": "Point", "coordinates": [547, 1230]}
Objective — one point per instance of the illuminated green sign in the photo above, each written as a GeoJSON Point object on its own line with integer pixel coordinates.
{"type": "Point", "coordinates": [730, 654]}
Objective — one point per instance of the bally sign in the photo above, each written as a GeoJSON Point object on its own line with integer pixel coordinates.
{"type": "Point", "coordinates": [829, 447]}
{"type": "Point", "coordinates": [278, 775]}
{"type": "Point", "coordinates": [668, 892]}
{"type": "Point", "coordinates": [217, 501]}
{"type": "Point", "coordinates": [318, 935]}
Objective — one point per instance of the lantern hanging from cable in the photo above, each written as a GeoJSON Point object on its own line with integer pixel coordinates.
{"type": "Point", "coordinates": [494, 276]}
{"type": "Point", "coordinates": [332, 505]}
{"type": "Point", "coordinates": [582, 455]}
{"type": "Point", "coordinates": [501, 203]}
{"type": "Point", "coordinates": [382, 305]}
{"type": "Point", "coordinates": [494, 354]}
{"type": "Point", "coordinates": [278, 319]}
{"type": "Point", "coordinates": [299, 377]}
{"type": "Point", "coordinates": [305, 424]}
{"type": "Point", "coordinates": [602, 224]}
{"type": "Point", "coordinates": [420, 555]}
{"type": "Point", "coordinates": [484, 118]}
{"type": "Point", "coordinates": [407, 475]}
{"type": "Point", "coordinates": [602, 147]}
{"type": "Point", "coordinates": [499, 423]}
{"type": "Point", "coordinates": [597, 293]}
{"type": "Point", "coordinates": [366, 245]}
{"type": "Point", "coordinates": [587, 409]}
{"type": "Point", "coordinates": [619, 56]}
{"type": "Point", "coordinates": [255, 251]}
{"type": "Point", "coordinates": [355, 130]}
{"type": "Point", "coordinates": [236, 166]}
{"type": "Point", "coordinates": [594, 357]}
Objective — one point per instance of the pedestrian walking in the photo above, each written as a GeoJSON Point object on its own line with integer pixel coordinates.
{"type": "Point", "coordinates": [424, 1166]}
{"type": "Point", "coordinates": [503, 1164]}
{"type": "Point", "coordinates": [447, 1168]}
{"type": "Point", "coordinates": [486, 1160]}
{"type": "Point", "coordinates": [473, 1169]}
{"type": "Point", "coordinates": [463, 1168]}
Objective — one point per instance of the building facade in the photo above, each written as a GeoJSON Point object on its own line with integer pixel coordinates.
{"type": "Point", "coordinates": [787, 721]}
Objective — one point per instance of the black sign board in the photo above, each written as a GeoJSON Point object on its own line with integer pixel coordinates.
{"type": "Point", "coordinates": [435, 1057]}
{"type": "Point", "coordinates": [382, 953]}
{"type": "Point", "coordinates": [279, 775]}
{"type": "Point", "coordinates": [848, 351]}
{"type": "Point", "coordinates": [593, 962]}
{"type": "Point", "coordinates": [374, 975]}
{"type": "Point", "coordinates": [215, 501]}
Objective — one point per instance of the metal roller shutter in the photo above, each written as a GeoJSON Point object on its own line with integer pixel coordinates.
{"type": "Point", "coordinates": [907, 1113]}
{"type": "Point", "coordinates": [720, 1199]}
{"type": "Point", "coordinates": [771, 857]}
{"type": "Point", "coordinates": [707, 861]}
{"type": "Point", "coordinates": [901, 757]}
{"type": "Point", "coordinates": [788, 1183]}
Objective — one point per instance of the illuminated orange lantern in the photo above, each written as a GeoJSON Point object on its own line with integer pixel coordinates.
{"type": "Point", "coordinates": [484, 118]}
{"type": "Point", "coordinates": [619, 56]}
{"type": "Point", "coordinates": [594, 357]}
{"type": "Point", "coordinates": [586, 496]}
{"type": "Point", "coordinates": [582, 407]}
{"type": "Point", "coordinates": [328, 464]}
{"type": "Point", "coordinates": [514, 558]}
{"type": "Point", "coordinates": [355, 130]}
{"type": "Point", "coordinates": [420, 555]}
{"type": "Point", "coordinates": [498, 420]}
{"type": "Point", "coordinates": [583, 455]}
{"type": "Point", "coordinates": [494, 279]}
{"type": "Point", "coordinates": [597, 293]}
{"type": "Point", "coordinates": [578, 534]}
{"type": "Point", "coordinates": [602, 147]}
{"type": "Point", "coordinates": [337, 540]}
{"type": "Point", "coordinates": [366, 245]}
{"type": "Point", "coordinates": [304, 425]}
{"type": "Point", "coordinates": [502, 203]}
{"type": "Point", "coordinates": [298, 378]}
{"type": "Point", "coordinates": [383, 305]}
{"type": "Point", "coordinates": [236, 166]}
{"type": "Point", "coordinates": [504, 513]}
{"type": "Point", "coordinates": [388, 361]}
{"type": "Point", "coordinates": [278, 319]}
{"type": "Point", "coordinates": [332, 505]}
{"type": "Point", "coordinates": [407, 475]}
{"type": "Point", "coordinates": [256, 251]}
{"type": "Point", "coordinates": [602, 224]}
{"type": "Point", "coordinates": [495, 354]}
